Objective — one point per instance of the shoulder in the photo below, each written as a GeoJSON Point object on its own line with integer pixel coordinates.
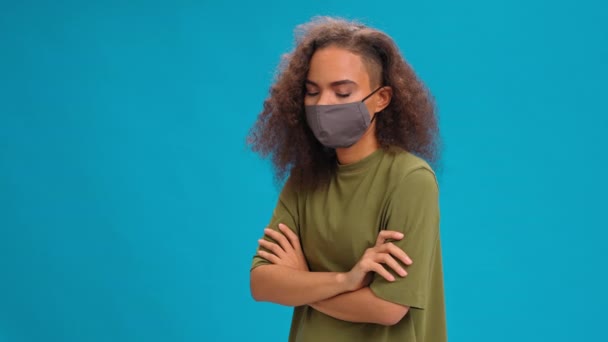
{"type": "Point", "coordinates": [407, 169]}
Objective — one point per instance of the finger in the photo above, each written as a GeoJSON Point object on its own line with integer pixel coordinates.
{"type": "Point", "coordinates": [388, 234]}
{"type": "Point", "coordinates": [271, 246]}
{"type": "Point", "coordinates": [380, 270]}
{"type": "Point", "coordinates": [269, 256]}
{"type": "Point", "coordinates": [293, 238]}
{"type": "Point", "coordinates": [396, 252]}
{"type": "Point", "coordinates": [390, 262]}
{"type": "Point", "coordinates": [278, 237]}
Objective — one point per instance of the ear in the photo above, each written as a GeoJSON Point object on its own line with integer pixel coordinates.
{"type": "Point", "coordinates": [383, 99]}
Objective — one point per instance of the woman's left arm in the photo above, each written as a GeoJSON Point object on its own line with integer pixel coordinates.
{"type": "Point", "coordinates": [362, 306]}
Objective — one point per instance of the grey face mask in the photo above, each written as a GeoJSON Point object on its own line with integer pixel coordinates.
{"type": "Point", "coordinates": [340, 125]}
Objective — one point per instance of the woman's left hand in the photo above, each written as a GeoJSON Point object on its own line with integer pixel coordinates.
{"type": "Point", "coordinates": [287, 250]}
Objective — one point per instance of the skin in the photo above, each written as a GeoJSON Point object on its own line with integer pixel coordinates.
{"type": "Point", "coordinates": [336, 76]}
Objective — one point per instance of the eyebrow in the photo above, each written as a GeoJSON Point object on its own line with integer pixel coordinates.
{"type": "Point", "coordinates": [333, 84]}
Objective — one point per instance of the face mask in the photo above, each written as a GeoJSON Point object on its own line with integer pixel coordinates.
{"type": "Point", "coordinates": [340, 125]}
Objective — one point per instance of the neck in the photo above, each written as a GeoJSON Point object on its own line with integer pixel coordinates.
{"type": "Point", "coordinates": [361, 149]}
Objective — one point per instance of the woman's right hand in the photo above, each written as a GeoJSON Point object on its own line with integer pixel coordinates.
{"type": "Point", "coordinates": [382, 253]}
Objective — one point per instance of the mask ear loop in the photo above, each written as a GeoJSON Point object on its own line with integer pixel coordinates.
{"type": "Point", "coordinates": [367, 97]}
{"type": "Point", "coordinates": [373, 117]}
{"type": "Point", "coordinates": [372, 93]}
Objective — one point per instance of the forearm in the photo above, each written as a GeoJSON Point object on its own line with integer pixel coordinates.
{"type": "Point", "coordinates": [287, 286]}
{"type": "Point", "coordinates": [361, 306]}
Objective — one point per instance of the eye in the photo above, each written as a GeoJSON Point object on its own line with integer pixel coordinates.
{"type": "Point", "coordinates": [312, 93]}
{"type": "Point", "coordinates": [342, 95]}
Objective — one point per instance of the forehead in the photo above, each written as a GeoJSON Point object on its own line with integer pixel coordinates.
{"type": "Point", "coordinates": [334, 63]}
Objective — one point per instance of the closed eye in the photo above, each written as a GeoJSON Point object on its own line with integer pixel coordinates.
{"type": "Point", "coordinates": [315, 93]}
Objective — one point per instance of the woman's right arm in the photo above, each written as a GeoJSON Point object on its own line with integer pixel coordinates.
{"type": "Point", "coordinates": [292, 286]}
{"type": "Point", "coordinates": [287, 286]}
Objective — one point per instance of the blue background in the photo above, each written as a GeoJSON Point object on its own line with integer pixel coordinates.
{"type": "Point", "coordinates": [130, 204]}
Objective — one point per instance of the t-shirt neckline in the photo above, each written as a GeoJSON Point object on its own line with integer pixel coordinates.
{"type": "Point", "coordinates": [361, 164]}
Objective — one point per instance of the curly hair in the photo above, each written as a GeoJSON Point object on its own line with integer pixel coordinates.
{"type": "Point", "coordinates": [281, 132]}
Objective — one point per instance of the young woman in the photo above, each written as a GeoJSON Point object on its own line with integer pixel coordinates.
{"type": "Point", "coordinates": [354, 129]}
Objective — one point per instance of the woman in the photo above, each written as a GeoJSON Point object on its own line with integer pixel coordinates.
{"type": "Point", "coordinates": [349, 122]}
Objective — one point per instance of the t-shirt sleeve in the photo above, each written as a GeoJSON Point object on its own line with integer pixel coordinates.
{"type": "Point", "coordinates": [285, 212]}
{"type": "Point", "coordinates": [413, 209]}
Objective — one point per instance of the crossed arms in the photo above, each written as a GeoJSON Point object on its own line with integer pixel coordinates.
{"type": "Point", "coordinates": [342, 295]}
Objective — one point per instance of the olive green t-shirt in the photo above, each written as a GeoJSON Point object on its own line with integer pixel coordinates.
{"type": "Point", "coordinates": [389, 189]}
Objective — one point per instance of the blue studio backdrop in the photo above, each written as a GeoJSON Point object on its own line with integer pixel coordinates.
{"type": "Point", "coordinates": [130, 204]}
